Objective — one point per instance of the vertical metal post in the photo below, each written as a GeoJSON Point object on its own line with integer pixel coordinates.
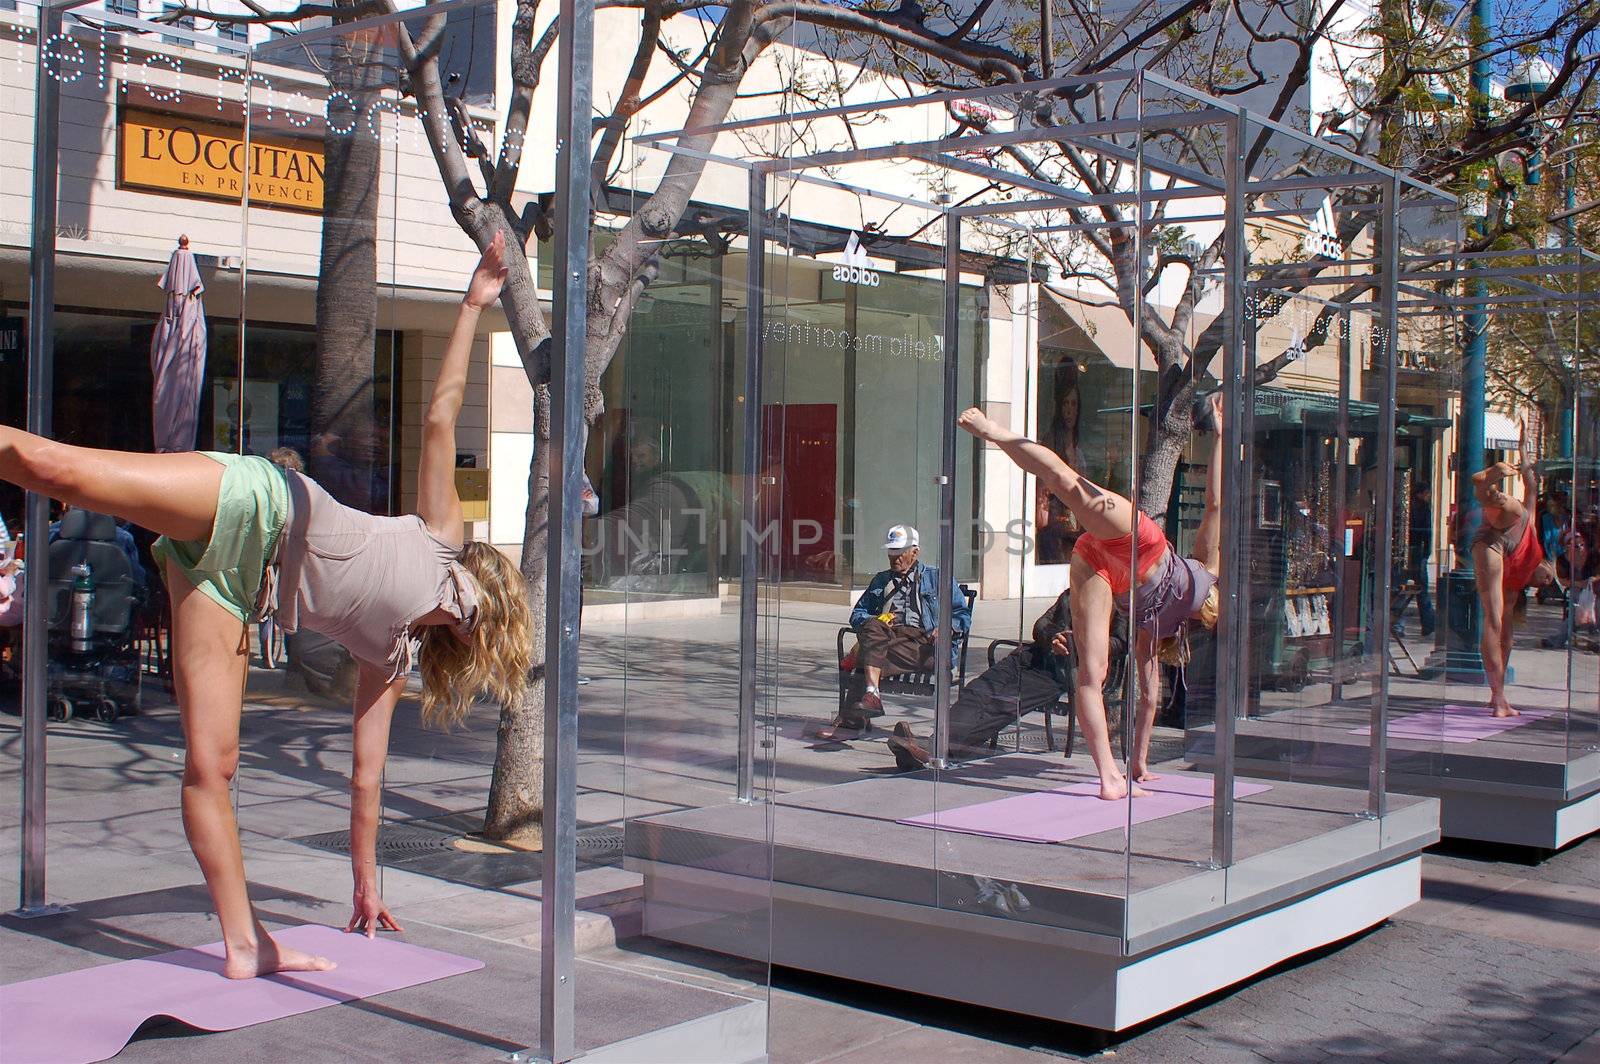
{"type": "Point", "coordinates": [845, 544]}
{"type": "Point", "coordinates": [41, 387]}
{"type": "Point", "coordinates": [751, 536]}
{"type": "Point", "coordinates": [565, 457]}
{"type": "Point", "coordinates": [1341, 507]}
{"type": "Point", "coordinates": [943, 639]}
{"type": "Point", "coordinates": [1464, 659]}
{"type": "Point", "coordinates": [1232, 683]}
{"type": "Point", "coordinates": [244, 266]}
{"type": "Point", "coordinates": [1389, 322]}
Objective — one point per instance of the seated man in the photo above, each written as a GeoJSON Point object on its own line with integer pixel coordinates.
{"type": "Point", "coordinates": [895, 619]}
{"type": "Point", "coordinates": [1028, 679]}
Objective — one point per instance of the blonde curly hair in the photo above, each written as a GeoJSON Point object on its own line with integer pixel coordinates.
{"type": "Point", "coordinates": [1174, 650]}
{"type": "Point", "coordinates": [494, 659]}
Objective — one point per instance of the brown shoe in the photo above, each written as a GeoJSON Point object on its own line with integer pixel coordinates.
{"type": "Point", "coordinates": [909, 754]}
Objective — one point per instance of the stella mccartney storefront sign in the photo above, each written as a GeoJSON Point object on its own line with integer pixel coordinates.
{"type": "Point", "coordinates": [196, 157]}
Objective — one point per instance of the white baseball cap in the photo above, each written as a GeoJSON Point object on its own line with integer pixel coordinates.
{"type": "Point", "coordinates": [901, 537]}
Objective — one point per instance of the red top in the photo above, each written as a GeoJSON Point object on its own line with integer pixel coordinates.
{"type": "Point", "coordinates": [1522, 560]}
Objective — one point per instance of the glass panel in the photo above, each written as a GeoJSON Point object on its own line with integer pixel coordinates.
{"type": "Point", "coordinates": [1426, 605]}
{"type": "Point", "coordinates": [1515, 310]}
{"type": "Point", "coordinates": [315, 396]}
{"type": "Point", "coordinates": [1578, 438]}
{"type": "Point", "coordinates": [1316, 513]}
{"type": "Point", "coordinates": [1181, 652]}
{"type": "Point", "coordinates": [18, 68]}
{"type": "Point", "coordinates": [681, 622]}
{"type": "Point", "coordinates": [128, 365]}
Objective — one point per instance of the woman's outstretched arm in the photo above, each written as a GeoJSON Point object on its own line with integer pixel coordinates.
{"type": "Point", "coordinates": [1101, 513]}
{"type": "Point", "coordinates": [374, 709]}
{"type": "Point", "coordinates": [438, 504]}
{"type": "Point", "coordinates": [1208, 539]}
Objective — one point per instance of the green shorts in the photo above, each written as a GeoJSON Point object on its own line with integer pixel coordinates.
{"type": "Point", "coordinates": [252, 507]}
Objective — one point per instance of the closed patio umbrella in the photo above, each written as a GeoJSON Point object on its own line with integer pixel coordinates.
{"type": "Point", "coordinates": [178, 354]}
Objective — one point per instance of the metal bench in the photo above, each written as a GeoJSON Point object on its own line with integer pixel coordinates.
{"type": "Point", "coordinates": [904, 683]}
{"type": "Point", "coordinates": [1116, 675]}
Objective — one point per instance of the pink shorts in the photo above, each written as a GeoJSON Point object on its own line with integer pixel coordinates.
{"type": "Point", "coordinates": [1113, 559]}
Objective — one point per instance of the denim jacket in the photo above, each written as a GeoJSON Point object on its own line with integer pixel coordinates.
{"type": "Point", "coordinates": [870, 604]}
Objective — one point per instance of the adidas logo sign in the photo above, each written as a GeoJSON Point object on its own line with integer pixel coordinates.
{"type": "Point", "coordinates": [1323, 240]}
{"type": "Point", "coordinates": [857, 265]}
{"type": "Point", "coordinates": [1296, 349]}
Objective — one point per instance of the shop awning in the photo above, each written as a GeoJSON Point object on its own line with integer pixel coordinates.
{"type": "Point", "coordinates": [1290, 407]}
{"type": "Point", "coordinates": [1500, 431]}
{"type": "Point", "coordinates": [1103, 331]}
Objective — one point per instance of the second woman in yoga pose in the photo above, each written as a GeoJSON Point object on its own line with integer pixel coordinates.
{"type": "Point", "coordinates": [1506, 558]}
{"type": "Point", "coordinates": [1164, 596]}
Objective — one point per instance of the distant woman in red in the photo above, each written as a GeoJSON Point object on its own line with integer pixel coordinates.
{"type": "Point", "coordinates": [1507, 558]}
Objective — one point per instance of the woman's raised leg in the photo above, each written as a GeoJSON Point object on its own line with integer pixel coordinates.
{"type": "Point", "coordinates": [170, 494]}
{"type": "Point", "coordinates": [210, 655]}
{"type": "Point", "coordinates": [1102, 513]}
{"type": "Point", "coordinates": [1091, 635]}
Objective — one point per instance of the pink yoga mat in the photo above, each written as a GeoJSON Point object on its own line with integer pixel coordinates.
{"type": "Point", "coordinates": [1454, 724]}
{"type": "Point", "coordinates": [1075, 811]}
{"type": "Point", "coordinates": [89, 1015]}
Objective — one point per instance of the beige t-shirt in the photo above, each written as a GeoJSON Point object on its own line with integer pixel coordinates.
{"type": "Point", "coordinates": [362, 581]}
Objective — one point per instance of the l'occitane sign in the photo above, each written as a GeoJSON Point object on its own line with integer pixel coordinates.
{"type": "Point", "coordinates": [193, 157]}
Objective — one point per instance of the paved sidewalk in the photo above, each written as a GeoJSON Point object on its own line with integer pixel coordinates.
{"type": "Point", "coordinates": [1500, 962]}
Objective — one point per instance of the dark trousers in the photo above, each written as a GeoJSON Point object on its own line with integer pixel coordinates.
{"type": "Point", "coordinates": [1417, 574]}
{"type": "Point", "coordinates": [1018, 684]}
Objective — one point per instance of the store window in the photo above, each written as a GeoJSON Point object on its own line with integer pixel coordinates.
{"type": "Point", "coordinates": [1080, 412]}
{"type": "Point", "coordinates": [103, 386]}
{"type": "Point", "coordinates": [852, 407]}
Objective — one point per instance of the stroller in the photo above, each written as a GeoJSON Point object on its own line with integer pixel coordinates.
{"type": "Point", "coordinates": [94, 660]}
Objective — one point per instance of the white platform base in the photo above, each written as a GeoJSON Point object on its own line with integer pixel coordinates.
{"type": "Point", "coordinates": [1543, 823]}
{"type": "Point", "coordinates": [1012, 965]}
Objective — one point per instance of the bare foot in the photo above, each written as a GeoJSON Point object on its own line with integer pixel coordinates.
{"type": "Point", "coordinates": [269, 957]}
{"type": "Point", "coordinates": [1504, 709]}
{"type": "Point", "coordinates": [1117, 789]}
{"type": "Point", "coordinates": [1143, 775]}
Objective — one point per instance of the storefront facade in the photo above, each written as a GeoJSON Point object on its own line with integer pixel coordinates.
{"type": "Point", "coordinates": [153, 148]}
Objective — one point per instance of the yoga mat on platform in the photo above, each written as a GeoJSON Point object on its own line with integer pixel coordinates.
{"type": "Point", "coordinates": [1073, 812]}
{"type": "Point", "coordinates": [89, 1015]}
{"type": "Point", "coordinates": [1454, 724]}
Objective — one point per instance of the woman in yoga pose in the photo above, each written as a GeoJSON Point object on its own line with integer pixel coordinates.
{"type": "Point", "coordinates": [242, 540]}
{"type": "Point", "coordinates": [1170, 592]}
{"type": "Point", "coordinates": [1506, 558]}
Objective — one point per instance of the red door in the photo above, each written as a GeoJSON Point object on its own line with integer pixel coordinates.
{"type": "Point", "coordinates": [801, 445]}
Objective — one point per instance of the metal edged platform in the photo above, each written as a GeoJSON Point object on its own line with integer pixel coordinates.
{"type": "Point", "coordinates": [1534, 785]}
{"type": "Point", "coordinates": [1101, 931]}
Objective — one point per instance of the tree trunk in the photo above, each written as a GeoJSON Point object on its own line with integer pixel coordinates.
{"type": "Point", "coordinates": [1160, 465]}
{"type": "Point", "coordinates": [345, 441]}
{"type": "Point", "coordinates": [516, 790]}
